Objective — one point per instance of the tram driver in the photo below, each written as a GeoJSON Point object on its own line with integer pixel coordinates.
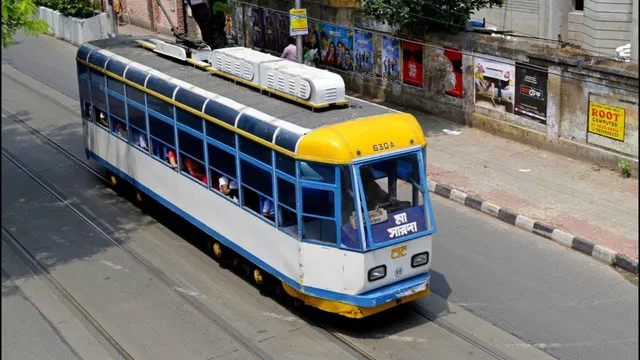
{"type": "Point", "coordinates": [373, 193]}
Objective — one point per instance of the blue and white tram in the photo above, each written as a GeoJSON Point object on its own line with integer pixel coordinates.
{"type": "Point", "coordinates": [339, 213]}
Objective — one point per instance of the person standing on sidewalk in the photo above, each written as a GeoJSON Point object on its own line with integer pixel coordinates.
{"type": "Point", "coordinates": [291, 51]}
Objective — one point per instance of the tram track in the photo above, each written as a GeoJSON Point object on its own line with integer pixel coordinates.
{"type": "Point", "coordinates": [333, 333]}
{"type": "Point", "coordinates": [217, 322]}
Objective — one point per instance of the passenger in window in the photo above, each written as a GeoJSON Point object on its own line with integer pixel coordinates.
{"type": "Point", "coordinates": [268, 210]}
{"type": "Point", "coordinates": [195, 170]}
{"type": "Point", "coordinates": [229, 188]}
{"type": "Point", "coordinates": [140, 139]}
{"type": "Point", "coordinates": [120, 130]}
{"type": "Point", "coordinates": [169, 156]}
{"type": "Point", "coordinates": [373, 193]}
{"type": "Point", "coordinates": [102, 119]}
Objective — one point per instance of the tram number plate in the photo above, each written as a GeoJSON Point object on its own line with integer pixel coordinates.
{"type": "Point", "coordinates": [384, 146]}
{"type": "Point", "coordinates": [376, 216]}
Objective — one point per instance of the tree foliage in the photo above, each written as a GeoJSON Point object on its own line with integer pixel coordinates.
{"type": "Point", "coordinates": [419, 16]}
{"type": "Point", "coordinates": [19, 15]}
{"type": "Point", "coordinates": [81, 9]}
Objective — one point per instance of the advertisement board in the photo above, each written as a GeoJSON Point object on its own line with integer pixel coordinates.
{"type": "Point", "coordinates": [494, 82]}
{"type": "Point", "coordinates": [363, 49]}
{"type": "Point", "coordinates": [531, 92]}
{"type": "Point", "coordinates": [412, 63]}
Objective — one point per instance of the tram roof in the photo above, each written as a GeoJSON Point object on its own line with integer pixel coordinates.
{"type": "Point", "coordinates": [348, 137]}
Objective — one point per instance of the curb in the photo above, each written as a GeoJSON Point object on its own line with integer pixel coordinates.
{"type": "Point", "coordinates": [586, 247]}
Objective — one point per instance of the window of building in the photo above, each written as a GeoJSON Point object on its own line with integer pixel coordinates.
{"type": "Point", "coordinates": [578, 5]}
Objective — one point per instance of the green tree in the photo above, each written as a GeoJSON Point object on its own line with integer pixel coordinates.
{"type": "Point", "coordinates": [419, 16]}
{"type": "Point", "coordinates": [19, 15]}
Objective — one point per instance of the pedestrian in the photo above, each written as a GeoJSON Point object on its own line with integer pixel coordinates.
{"type": "Point", "coordinates": [291, 51]}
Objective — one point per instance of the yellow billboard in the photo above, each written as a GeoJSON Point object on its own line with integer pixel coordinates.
{"type": "Point", "coordinates": [607, 121]}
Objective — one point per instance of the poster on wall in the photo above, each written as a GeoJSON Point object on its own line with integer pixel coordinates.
{"type": "Point", "coordinates": [455, 57]}
{"type": "Point", "coordinates": [335, 44]}
{"type": "Point", "coordinates": [412, 63]}
{"type": "Point", "coordinates": [390, 58]}
{"type": "Point", "coordinates": [531, 92]}
{"type": "Point", "coordinates": [282, 32]}
{"type": "Point", "coordinates": [363, 52]}
{"type": "Point", "coordinates": [255, 25]}
{"type": "Point", "coordinates": [494, 82]}
{"type": "Point", "coordinates": [607, 121]}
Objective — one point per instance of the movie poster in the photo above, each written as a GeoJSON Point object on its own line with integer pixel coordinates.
{"type": "Point", "coordinates": [390, 58]}
{"type": "Point", "coordinates": [412, 63]}
{"type": "Point", "coordinates": [335, 44]}
{"type": "Point", "coordinates": [455, 56]}
{"type": "Point", "coordinates": [363, 49]}
{"type": "Point", "coordinates": [531, 93]}
{"type": "Point", "coordinates": [494, 82]}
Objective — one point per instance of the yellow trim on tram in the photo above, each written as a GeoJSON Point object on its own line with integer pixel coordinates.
{"type": "Point", "coordinates": [336, 144]}
{"type": "Point", "coordinates": [348, 310]}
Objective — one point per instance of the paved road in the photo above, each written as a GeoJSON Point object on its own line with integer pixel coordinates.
{"type": "Point", "coordinates": [505, 276]}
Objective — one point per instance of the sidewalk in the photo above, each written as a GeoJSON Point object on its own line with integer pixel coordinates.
{"type": "Point", "coordinates": [579, 199]}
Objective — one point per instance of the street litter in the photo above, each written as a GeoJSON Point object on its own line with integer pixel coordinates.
{"type": "Point", "coordinates": [524, 170]}
{"type": "Point", "coordinates": [451, 132]}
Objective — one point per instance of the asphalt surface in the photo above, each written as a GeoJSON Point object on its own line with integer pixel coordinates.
{"type": "Point", "coordinates": [512, 279]}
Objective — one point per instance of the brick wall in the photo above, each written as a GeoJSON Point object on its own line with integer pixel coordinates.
{"type": "Point", "coordinates": [147, 14]}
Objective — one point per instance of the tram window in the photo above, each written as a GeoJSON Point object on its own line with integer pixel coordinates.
{"type": "Point", "coordinates": [349, 238]}
{"type": "Point", "coordinates": [83, 70]}
{"type": "Point", "coordinates": [160, 106]}
{"type": "Point", "coordinates": [189, 119]}
{"type": "Point", "coordinates": [319, 229]}
{"type": "Point", "coordinates": [84, 89]}
{"type": "Point", "coordinates": [318, 202]}
{"type": "Point", "coordinates": [86, 110]}
{"type": "Point", "coordinates": [115, 85]}
{"type": "Point", "coordinates": [222, 161]}
{"type": "Point", "coordinates": [251, 200]}
{"type": "Point", "coordinates": [255, 150]}
{"type": "Point", "coordinates": [191, 145]}
{"type": "Point", "coordinates": [226, 185]}
{"type": "Point", "coordinates": [286, 193]}
{"type": "Point", "coordinates": [193, 168]}
{"type": "Point", "coordinates": [164, 152]}
{"type": "Point", "coordinates": [119, 127]}
{"type": "Point", "coordinates": [137, 117]}
{"type": "Point", "coordinates": [221, 134]}
{"type": "Point", "coordinates": [256, 178]}
{"type": "Point", "coordinates": [285, 164]}
{"type": "Point", "coordinates": [288, 221]}
{"type": "Point", "coordinates": [139, 139]}
{"type": "Point", "coordinates": [317, 172]}
{"type": "Point", "coordinates": [116, 107]}
{"type": "Point", "coordinates": [135, 95]}
{"type": "Point", "coordinates": [98, 98]}
{"type": "Point", "coordinates": [162, 130]}
{"type": "Point", "coordinates": [100, 117]}
{"type": "Point", "coordinates": [97, 76]}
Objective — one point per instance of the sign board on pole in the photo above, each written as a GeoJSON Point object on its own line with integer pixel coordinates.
{"type": "Point", "coordinates": [298, 22]}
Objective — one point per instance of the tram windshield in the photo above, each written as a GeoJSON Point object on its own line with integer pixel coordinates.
{"type": "Point", "coordinates": [392, 194]}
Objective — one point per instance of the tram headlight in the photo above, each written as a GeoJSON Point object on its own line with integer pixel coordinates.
{"type": "Point", "coordinates": [419, 259]}
{"type": "Point", "coordinates": [377, 273]}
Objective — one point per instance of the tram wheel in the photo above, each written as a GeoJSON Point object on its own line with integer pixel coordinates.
{"type": "Point", "coordinates": [113, 179]}
{"type": "Point", "coordinates": [217, 249]}
{"type": "Point", "coordinates": [139, 196]}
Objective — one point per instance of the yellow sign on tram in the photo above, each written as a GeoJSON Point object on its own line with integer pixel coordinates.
{"type": "Point", "coordinates": [298, 21]}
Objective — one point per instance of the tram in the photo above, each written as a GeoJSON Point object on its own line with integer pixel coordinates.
{"type": "Point", "coordinates": [333, 203]}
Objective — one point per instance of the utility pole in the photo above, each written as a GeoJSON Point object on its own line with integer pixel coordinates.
{"type": "Point", "coordinates": [299, 46]}
{"type": "Point", "coordinates": [114, 21]}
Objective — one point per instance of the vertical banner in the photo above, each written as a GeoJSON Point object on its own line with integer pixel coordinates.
{"type": "Point", "coordinates": [255, 25]}
{"type": "Point", "coordinates": [412, 63]}
{"type": "Point", "coordinates": [531, 92]}
{"type": "Point", "coordinates": [494, 82]}
{"type": "Point", "coordinates": [455, 56]}
{"type": "Point", "coordinates": [335, 44]}
{"type": "Point", "coordinates": [363, 48]}
{"type": "Point", "coordinates": [390, 58]}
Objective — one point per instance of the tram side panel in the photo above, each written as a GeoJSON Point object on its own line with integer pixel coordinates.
{"type": "Point", "coordinates": [258, 241]}
{"type": "Point", "coordinates": [332, 269]}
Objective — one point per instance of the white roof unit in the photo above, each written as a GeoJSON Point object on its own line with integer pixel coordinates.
{"type": "Point", "coordinates": [241, 62]}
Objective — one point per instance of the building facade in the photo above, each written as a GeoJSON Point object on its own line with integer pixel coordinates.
{"type": "Point", "coordinates": [597, 26]}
